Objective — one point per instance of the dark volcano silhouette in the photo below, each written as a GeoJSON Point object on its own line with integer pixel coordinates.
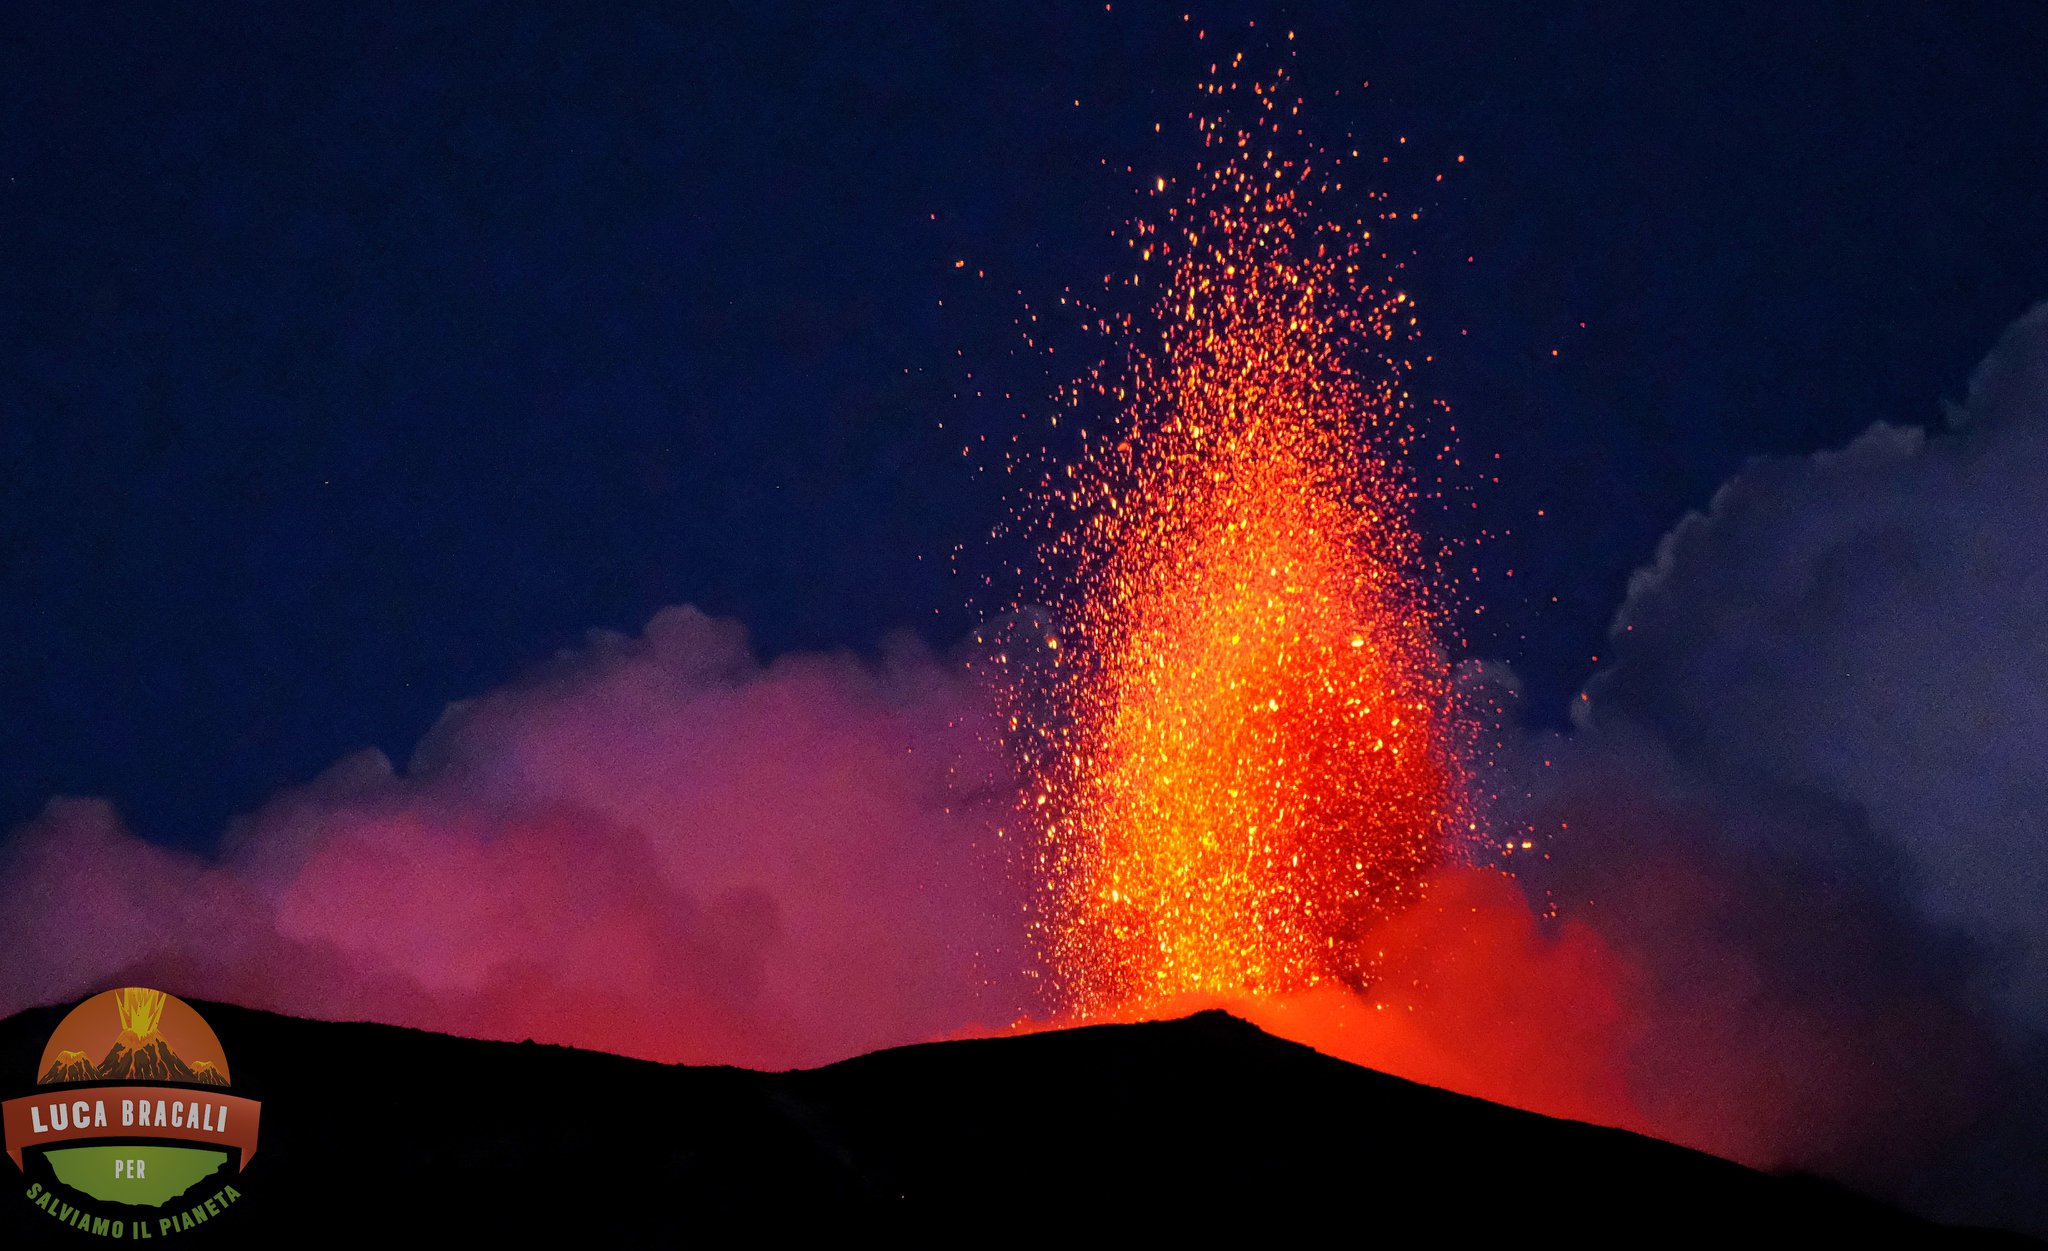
{"type": "Point", "coordinates": [1202, 1128]}
{"type": "Point", "coordinates": [143, 1059]}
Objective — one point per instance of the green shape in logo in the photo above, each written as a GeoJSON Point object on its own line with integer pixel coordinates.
{"type": "Point", "coordinates": [148, 1176]}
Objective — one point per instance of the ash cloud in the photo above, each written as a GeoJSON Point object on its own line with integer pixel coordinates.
{"type": "Point", "coordinates": [1804, 807]}
{"type": "Point", "coordinates": [656, 845]}
{"type": "Point", "coordinates": [1863, 630]}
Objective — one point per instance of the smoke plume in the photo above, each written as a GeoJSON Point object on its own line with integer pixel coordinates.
{"type": "Point", "coordinates": [656, 846]}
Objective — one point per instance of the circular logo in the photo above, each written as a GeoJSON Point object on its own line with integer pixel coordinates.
{"type": "Point", "coordinates": [133, 1131]}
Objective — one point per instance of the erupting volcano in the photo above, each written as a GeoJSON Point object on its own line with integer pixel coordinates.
{"type": "Point", "coordinates": [1253, 749]}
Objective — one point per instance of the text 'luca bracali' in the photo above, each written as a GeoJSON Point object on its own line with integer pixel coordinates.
{"type": "Point", "coordinates": [145, 1141]}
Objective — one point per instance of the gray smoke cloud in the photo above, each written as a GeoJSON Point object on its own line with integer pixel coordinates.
{"type": "Point", "coordinates": [1805, 799]}
{"type": "Point", "coordinates": [1864, 629]}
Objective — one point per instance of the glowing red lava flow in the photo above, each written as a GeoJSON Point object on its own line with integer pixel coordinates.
{"type": "Point", "coordinates": [1251, 753]}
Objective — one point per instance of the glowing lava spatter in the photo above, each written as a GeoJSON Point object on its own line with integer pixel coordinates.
{"type": "Point", "coordinates": [1252, 749]}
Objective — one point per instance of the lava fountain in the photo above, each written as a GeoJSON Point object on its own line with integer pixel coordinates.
{"type": "Point", "coordinates": [1248, 754]}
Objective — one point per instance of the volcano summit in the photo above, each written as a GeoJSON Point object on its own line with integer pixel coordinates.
{"type": "Point", "coordinates": [1194, 1124]}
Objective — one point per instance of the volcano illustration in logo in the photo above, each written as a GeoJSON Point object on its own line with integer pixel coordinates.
{"type": "Point", "coordinates": [132, 1127]}
{"type": "Point", "coordinates": [140, 1051]}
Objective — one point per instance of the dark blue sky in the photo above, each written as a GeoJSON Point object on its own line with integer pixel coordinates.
{"type": "Point", "coordinates": [354, 357]}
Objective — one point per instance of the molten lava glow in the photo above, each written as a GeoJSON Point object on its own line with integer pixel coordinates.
{"type": "Point", "coordinates": [1251, 754]}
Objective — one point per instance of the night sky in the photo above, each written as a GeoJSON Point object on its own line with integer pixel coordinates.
{"type": "Point", "coordinates": [355, 358]}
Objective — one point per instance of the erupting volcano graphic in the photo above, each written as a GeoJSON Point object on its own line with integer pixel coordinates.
{"type": "Point", "coordinates": [1253, 753]}
{"type": "Point", "coordinates": [141, 1052]}
{"type": "Point", "coordinates": [142, 1049]}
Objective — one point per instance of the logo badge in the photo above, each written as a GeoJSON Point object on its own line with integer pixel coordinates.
{"type": "Point", "coordinates": [132, 1131]}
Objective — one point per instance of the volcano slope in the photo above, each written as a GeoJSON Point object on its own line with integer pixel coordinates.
{"type": "Point", "coordinates": [1201, 1125]}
